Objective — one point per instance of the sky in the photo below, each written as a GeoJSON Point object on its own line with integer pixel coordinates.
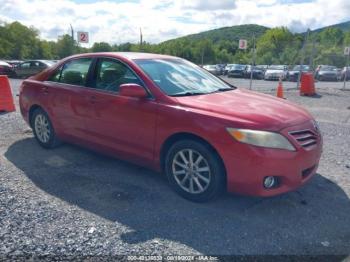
{"type": "Point", "coordinates": [119, 21]}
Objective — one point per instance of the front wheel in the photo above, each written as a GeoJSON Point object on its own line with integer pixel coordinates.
{"type": "Point", "coordinates": [194, 171]}
{"type": "Point", "coordinates": [43, 129]}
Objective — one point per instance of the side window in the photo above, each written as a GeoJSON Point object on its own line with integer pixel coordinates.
{"type": "Point", "coordinates": [34, 64]}
{"type": "Point", "coordinates": [110, 74]}
{"type": "Point", "coordinates": [25, 65]}
{"type": "Point", "coordinates": [75, 72]}
{"type": "Point", "coordinates": [56, 77]}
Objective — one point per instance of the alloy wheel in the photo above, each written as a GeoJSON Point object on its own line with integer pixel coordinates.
{"type": "Point", "coordinates": [42, 128]}
{"type": "Point", "coordinates": [191, 171]}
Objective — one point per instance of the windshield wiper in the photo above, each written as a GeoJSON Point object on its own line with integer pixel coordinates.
{"type": "Point", "coordinates": [188, 93]}
{"type": "Point", "coordinates": [223, 89]}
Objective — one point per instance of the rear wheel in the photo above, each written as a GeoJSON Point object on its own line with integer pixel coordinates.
{"type": "Point", "coordinates": [43, 129]}
{"type": "Point", "coordinates": [194, 171]}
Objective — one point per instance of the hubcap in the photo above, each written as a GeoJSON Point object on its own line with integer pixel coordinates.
{"type": "Point", "coordinates": [42, 128]}
{"type": "Point", "coordinates": [191, 171]}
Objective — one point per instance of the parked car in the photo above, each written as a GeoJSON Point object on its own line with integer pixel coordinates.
{"type": "Point", "coordinates": [345, 73]}
{"type": "Point", "coordinates": [227, 68]}
{"type": "Point", "coordinates": [29, 68]}
{"type": "Point", "coordinates": [275, 72]}
{"type": "Point", "coordinates": [14, 63]}
{"type": "Point", "coordinates": [236, 70]}
{"type": "Point", "coordinates": [293, 75]}
{"type": "Point", "coordinates": [262, 67]}
{"type": "Point", "coordinates": [221, 68]}
{"type": "Point", "coordinates": [6, 69]}
{"type": "Point", "coordinates": [171, 115]}
{"type": "Point", "coordinates": [212, 69]}
{"type": "Point", "coordinates": [257, 72]}
{"type": "Point", "coordinates": [327, 73]}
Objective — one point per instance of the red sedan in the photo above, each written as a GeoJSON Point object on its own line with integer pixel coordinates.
{"type": "Point", "coordinates": [170, 115]}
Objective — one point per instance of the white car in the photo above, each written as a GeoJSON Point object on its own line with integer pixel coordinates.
{"type": "Point", "coordinates": [275, 72]}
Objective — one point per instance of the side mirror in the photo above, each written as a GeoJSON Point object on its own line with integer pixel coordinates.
{"type": "Point", "coordinates": [132, 90]}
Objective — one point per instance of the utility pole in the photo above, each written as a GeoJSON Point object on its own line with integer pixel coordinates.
{"type": "Point", "coordinates": [72, 35]}
{"type": "Point", "coordinates": [346, 71]}
{"type": "Point", "coordinates": [302, 57]}
{"type": "Point", "coordinates": [253, 63]}
{"type": "Point", "coordinates": [141, 41]}
{"type": "Point", "coordinates": [202, 56]}
{"type": "Point", "coordinates": [311, 61]}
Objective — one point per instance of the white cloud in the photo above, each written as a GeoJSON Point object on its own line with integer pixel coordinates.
{"type": "Point", "coordinates": [117, 22]}
{"type": "Point", "coordinates": [208, 5]}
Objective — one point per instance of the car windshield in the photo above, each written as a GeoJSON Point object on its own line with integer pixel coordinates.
{"type": "Point", "coordinates": [328, 68]}
{"type": "Point", "coordinates": [178, 77]}
{"type": "Point", "coordinates": [276, 67]}
{"type": "Point", "coordinates": [210, 67]}
{"type": "Point", "coordinates": [48, 62]}
{"type": "Point", "coordinates": [238, 67]}
{"type": "Point", "coordinates": [303, 68]}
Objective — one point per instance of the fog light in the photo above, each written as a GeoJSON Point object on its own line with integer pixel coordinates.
{"type": "Point", "coordinates": [270, 181]}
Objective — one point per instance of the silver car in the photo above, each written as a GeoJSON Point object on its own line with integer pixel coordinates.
{"type": "Point", "coordinates": [275, 72]}
{"type": "Point", "coordinates": [32, 67]}
{"type": "Point", "coordinates": [214, 69]}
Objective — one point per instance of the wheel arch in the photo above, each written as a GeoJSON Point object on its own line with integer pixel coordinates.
{"type": "Point", "coordinates": [31, 111]}
{"type": "Point", "coordinates": [190, 136]}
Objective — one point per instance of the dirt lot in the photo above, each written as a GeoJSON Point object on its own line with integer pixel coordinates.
{"type": "Point", "coordinates": [70, 201]}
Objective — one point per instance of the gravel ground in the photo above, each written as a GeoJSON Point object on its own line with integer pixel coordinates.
{"type": "Point", "coordinates": [70, 201]}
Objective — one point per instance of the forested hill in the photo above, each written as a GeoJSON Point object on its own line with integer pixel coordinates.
{"type": "Point", "coordinates": [276, 45]}
{"type": "Point", "coordinates": [232, 33]}
{"type": "Point", "coordinates": [342, 26]}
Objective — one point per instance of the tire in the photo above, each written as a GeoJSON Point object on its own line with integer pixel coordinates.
{"type": "Point", "coordinates": [43, 129]}
{"type": "Point", "coordinates": [211, 177]}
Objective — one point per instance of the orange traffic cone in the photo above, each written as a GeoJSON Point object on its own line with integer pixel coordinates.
{"type": "Point", "coordinates": [307, 87]}
{"type": "Point", "coordinates": [6, 98]}
{"type": "Point", "coordinates": [279, 92]}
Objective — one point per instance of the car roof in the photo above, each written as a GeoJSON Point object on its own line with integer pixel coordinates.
{"type": "Point", "coordinates": [4, 63]}
{"type": "Point", "coordinates": [127, 55]}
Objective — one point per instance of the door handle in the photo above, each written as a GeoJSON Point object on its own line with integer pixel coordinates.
{"type": "Point", "coordinates": [45, 90]}
{"type": "Point", "coordinates": [92, 99]}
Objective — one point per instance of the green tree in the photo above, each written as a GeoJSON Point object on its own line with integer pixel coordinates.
{"type": "Point", "coordinates": [101, 47]}
{"type": "Point", "coordinates": [66, 46]}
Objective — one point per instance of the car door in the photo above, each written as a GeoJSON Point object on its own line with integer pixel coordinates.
{"type": "Point", "coordinates": [122, 124]}
{"type": "Point", "coordinates": [67, 97]}
{"type": "Point", "coordinates": [23, 69]}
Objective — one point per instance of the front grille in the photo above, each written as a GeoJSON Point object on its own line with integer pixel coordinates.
{"type": "Point", "coordinates": [305, 138]}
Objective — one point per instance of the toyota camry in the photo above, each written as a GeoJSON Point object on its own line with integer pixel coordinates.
{"type": "Point", "coordinates": [170, 115]}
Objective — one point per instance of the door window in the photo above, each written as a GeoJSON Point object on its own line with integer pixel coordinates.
{"type": "Point", "coordinates": [110, 74]}
{"type": "Point", "coordinates": [73, 73]}
{"type": "Point", "coordinates": [25, 65]}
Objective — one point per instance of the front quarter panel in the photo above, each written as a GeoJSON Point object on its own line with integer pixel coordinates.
{"type": "Point", "coordinates": [174, 119]}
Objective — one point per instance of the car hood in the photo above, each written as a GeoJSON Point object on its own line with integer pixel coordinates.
{"type": "Point", "coordinates": [247, 109]}
{"type": "Point", "coordinates": [297, 71]}
{"type": "Point", "coordinates": [236, 69]}
{"type": "Point", "coordinates": [327, 72]}
{"type": "Point", "coordinates": [274, 71]}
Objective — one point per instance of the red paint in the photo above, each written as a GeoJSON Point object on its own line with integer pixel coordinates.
{"type": "Point", "coordinates": [134, 127]}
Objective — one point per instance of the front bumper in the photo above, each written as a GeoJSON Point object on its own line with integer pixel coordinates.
{"type": "Point", "coordinates": [235, 73]}
{"type": "Point", "coordinates": [247, 168]}
{"type": "Point", "coordinates": [325, 77]}
{"type": "Point", "coordinates": [273, 77]}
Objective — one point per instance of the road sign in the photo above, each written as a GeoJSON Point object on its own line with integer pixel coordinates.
{"type": "Point", "coordinates": [243, 44]}
{"type": "Point", "coordinates": [83, 37]}
{"type": "Point", "coordinates": [347, 50]}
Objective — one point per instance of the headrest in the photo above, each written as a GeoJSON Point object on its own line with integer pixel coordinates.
{"type": "Point", "coordinates": [72, 77]}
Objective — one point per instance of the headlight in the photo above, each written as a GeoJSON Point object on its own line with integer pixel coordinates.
{"type": "Point", "coordinates": [261, 138]}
